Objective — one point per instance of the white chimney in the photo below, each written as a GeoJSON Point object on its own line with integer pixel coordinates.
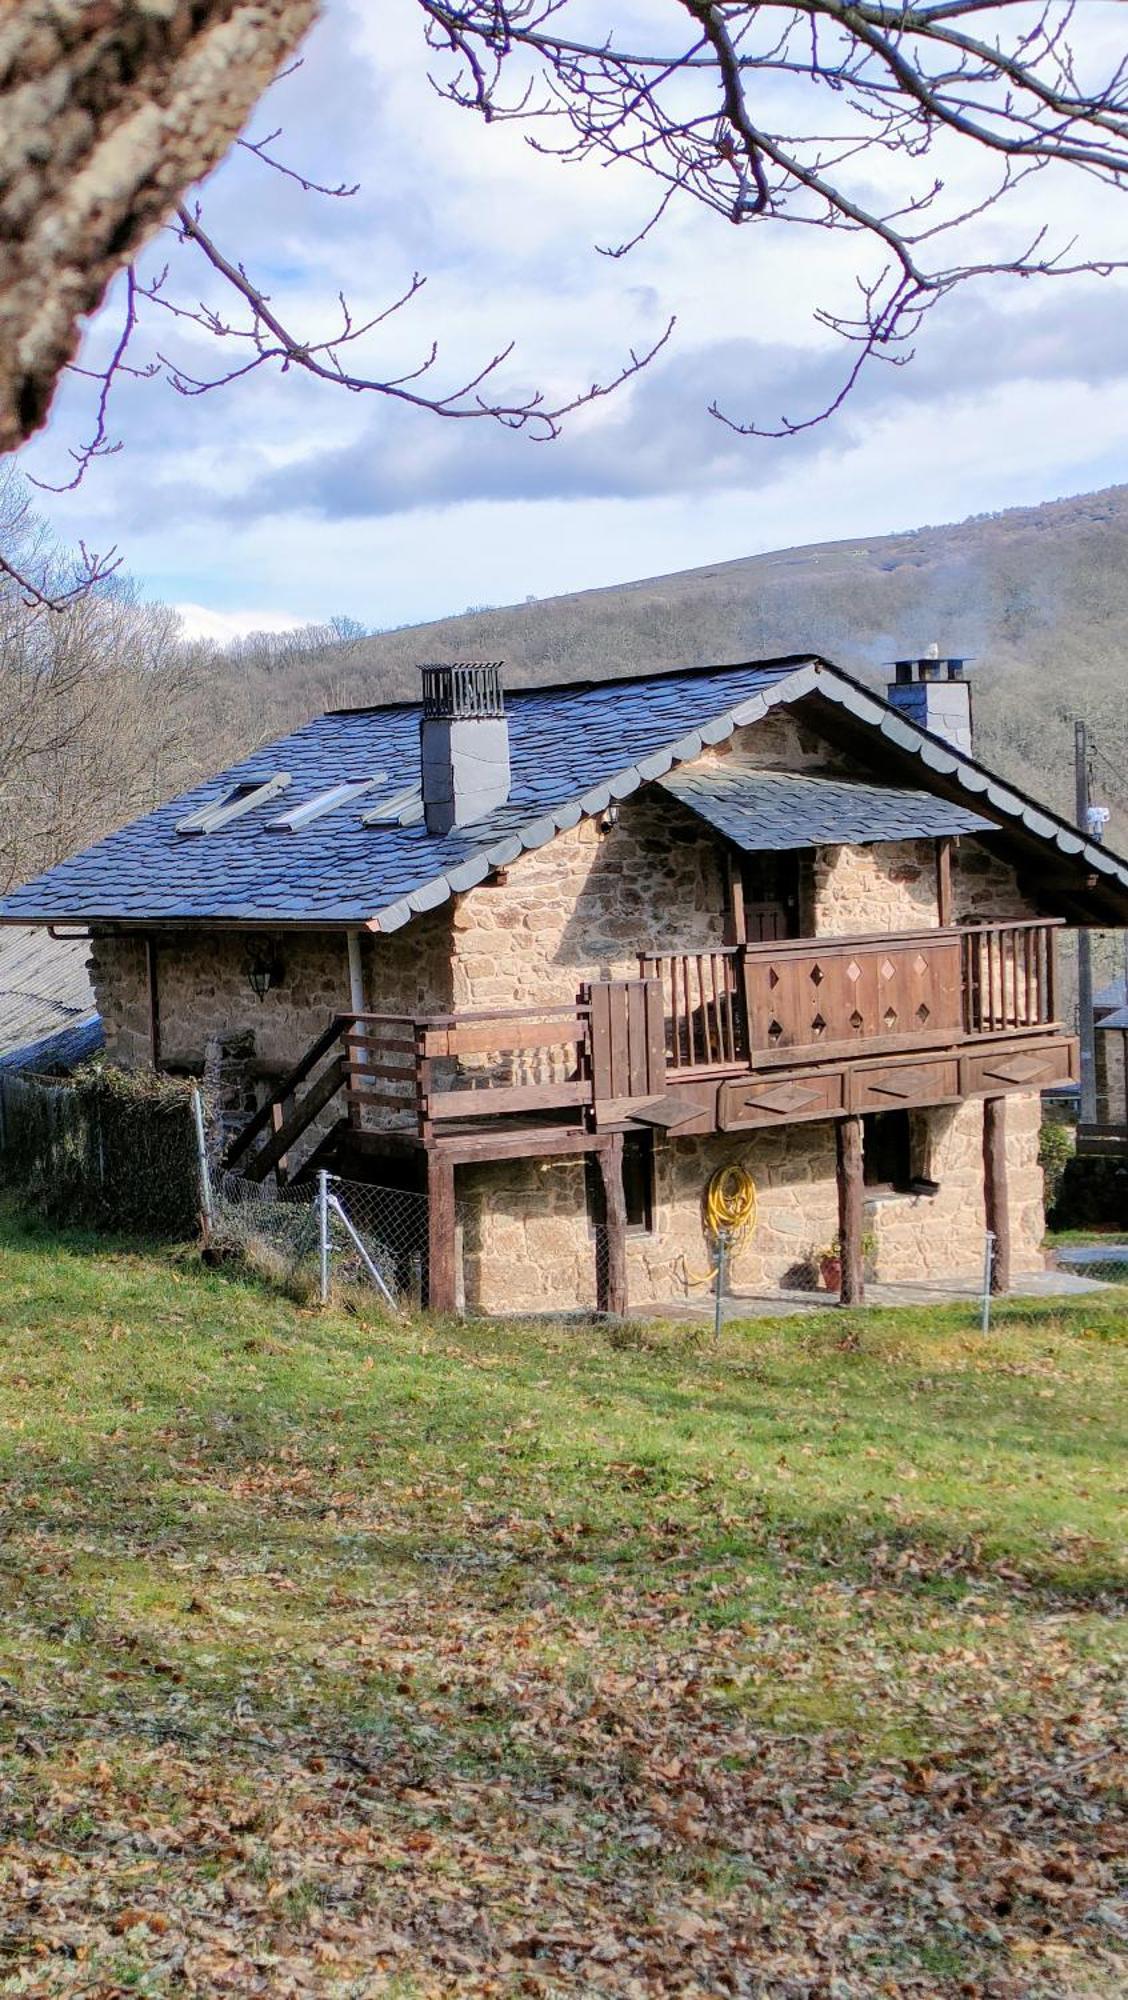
{"type": "Point", "coordinates": [463, 745]}
{"type": "Point", "coordinates": [934, 694]}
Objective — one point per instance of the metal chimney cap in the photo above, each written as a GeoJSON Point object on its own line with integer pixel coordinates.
{"type": "Point", "coordinates": [463, 690]}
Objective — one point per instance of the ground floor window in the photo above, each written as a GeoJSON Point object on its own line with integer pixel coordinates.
{"type": "Point", "coordinates": [887, 1149]}
{"type": "Point", "coordinates": [638, 1183]}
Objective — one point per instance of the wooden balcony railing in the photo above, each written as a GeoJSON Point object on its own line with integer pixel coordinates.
{"type": "Point", "coordinates": [768, 1004]}
{"type": "Point", "coordinates": [748, 1008]}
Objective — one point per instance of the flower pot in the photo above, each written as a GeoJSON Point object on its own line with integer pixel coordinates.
{"type": "Point", "coordinates": [831, 1270]}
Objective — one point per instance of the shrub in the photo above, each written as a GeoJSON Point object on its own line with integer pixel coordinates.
{"type": "Point", "coordinates": [1056, 1146]}
{"type": "Point", "coordinates": [108, 1146]}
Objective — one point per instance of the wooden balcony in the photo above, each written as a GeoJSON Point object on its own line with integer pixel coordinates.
{"type": "Point", "coordinates": [770, 1006]}
{"type": "Point", "coordinates": [717, 1040]}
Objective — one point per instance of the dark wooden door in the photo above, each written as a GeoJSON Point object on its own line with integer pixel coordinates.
{"type": "Point", "coordinates": [771, 897]}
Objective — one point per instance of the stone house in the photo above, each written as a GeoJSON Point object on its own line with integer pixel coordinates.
{"type": "Point", "coordinates": [560, 958]}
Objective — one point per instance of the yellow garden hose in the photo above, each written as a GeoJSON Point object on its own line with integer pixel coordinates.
{"type": "Point", "coordinates": [730, 1214]}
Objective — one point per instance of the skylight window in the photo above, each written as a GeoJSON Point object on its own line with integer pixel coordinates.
{"type": "Point", "coordinates": [325, 802]}
{"type": "Point", "coordinates": [406, 807]}
{"type": "Point", "coordinates": [239, 799]}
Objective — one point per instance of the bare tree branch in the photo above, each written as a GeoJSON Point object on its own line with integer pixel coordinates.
{"type": "Point", "coordinates": [913, 87]}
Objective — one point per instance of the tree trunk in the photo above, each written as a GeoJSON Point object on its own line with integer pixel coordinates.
{"type": "Point", "coordinates": [108, 113]}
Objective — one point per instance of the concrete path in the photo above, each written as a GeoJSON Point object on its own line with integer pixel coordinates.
{"type": "Point", "coordinates": [1041, 1284]}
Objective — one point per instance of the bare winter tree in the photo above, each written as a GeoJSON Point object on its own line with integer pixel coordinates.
{"type": "Point", "coordinates": [869, 120]}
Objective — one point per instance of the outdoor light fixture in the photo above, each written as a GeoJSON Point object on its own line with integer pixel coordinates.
{"type": "Point", "coordinates": [263, 972]}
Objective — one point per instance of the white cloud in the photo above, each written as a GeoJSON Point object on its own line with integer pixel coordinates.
{"type": "Point", "coordinates": [201, 623]}
{"type": "Point", "coordinates": [306, 502]}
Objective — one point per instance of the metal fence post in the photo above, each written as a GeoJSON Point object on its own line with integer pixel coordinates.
{"type": "Point", "coordinates": [323, 1234]}
{"type": "Point", "coordinates": [719, 1298]}
{"type": "Point", "coordinates": [206, 1204]}
{"type": "Point", "coordinates": [988, 1269]}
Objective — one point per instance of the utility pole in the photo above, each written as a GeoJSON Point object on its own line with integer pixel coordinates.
{"type": "Point", "coordinates": [1085, 1027]}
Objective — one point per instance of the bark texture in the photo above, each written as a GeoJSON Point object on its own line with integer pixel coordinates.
{"type": "Point", "coordinates": [109, 111]}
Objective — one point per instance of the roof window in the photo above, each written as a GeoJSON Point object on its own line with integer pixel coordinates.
{"type": "Point", "coordinates": [325, 802]}
{"type": "Point", "coordinates": [406, 807]}
{"type": "Point", "coordinates": [232, 804]}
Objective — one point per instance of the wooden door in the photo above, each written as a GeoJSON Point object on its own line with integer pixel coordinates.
{"type": "Point", "coordinates": [771, 897]}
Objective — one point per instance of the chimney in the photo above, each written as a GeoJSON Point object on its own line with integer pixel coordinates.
{"type": "Point", "coordinates": [934, 694]}
{"type": "Point", "coordinates": [463, 745]}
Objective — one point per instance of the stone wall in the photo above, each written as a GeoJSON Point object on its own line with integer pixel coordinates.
{"type": "Point", "coordinates": [985, 887]}
{"type": "Point", "coordinates": [204, 990]}
{"type": "Point", "coordinates": [941, 1235]}
{"type": "Point", "coordinates": [585, 907]}
{"type": "Point", "coordinates": [889, 887]}
{"type": "Point", "coordinates": [528, 1244]}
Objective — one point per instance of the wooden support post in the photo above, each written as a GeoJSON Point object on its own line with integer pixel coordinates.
{"type": "Point", "coordinates": [612, 1283]}
{"type": "Point", "coordinates": [848, 1133]}
{"type": "Point", "coordinates": [944, 882]}
{"type": "Point", "coordinates": [738, 927]}
{"type": "Point", "coordinates": [995, 1189]}
{"type": "Point", "coordinates": [442, 1287]}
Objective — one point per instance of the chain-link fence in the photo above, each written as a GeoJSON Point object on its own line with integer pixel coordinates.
{"type": "Point", "coordinates": [325, 1234]}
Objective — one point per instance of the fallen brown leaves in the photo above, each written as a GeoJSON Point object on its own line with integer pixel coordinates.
{"type": "Point", "coordinates": [512, 1809]}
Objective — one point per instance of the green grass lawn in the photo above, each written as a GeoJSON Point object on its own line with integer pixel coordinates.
{"type": "Point", "coordinates": [348, 1659]}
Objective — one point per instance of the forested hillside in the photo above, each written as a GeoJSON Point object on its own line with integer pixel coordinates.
{"type": "Point", "coordinates": [1038, 596]}
{"type": "Point", "coordinates": [114, 713]}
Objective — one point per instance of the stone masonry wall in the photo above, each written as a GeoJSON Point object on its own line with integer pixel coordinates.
{"type": "Point", "coordinates": [941, 1235]}
{"type": "Point", "coordinates": [528, 1244]}
{"type": "Point", "coordinates": [587, 905]}
{"type": "Point", "coordinates": [203, 988]}
{"type": "Point", "coordinates": [890, 887]}
{"type": "Point", "coordinates": [984, 887]}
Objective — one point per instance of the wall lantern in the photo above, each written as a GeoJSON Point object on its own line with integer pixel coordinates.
{"type": "Point", "coordinates": [264, 971]}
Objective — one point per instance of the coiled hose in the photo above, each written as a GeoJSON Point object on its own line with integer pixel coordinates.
{"type": "Point", "coordinates": [731, 1208]}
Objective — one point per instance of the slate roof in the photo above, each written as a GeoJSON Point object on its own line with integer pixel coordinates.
{"type": "Point", "coordinates": [1117, 1020]}
{"type": "Point", "coordinates": [574, 750]}
{"type": "Point", "coordinates": [1115, 994]}
{"type": "Point", "coordinates": [44, 990]}
{"type": "Point", "coordinates": [57, 1053]}
{"type": "Point", "coordinates": [767, 811]}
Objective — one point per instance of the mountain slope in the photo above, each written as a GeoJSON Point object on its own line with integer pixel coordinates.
{"type": "Point", "coordinates": [1037, 596]}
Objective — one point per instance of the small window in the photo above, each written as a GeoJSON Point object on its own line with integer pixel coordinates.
{"type": "Point", "coordinates": [233, 803]}
{"type": "Point", "coordinates": [325, 802]}
{"type": "Point", "coordinates": [887, 1149]}
{"type": "Point", "coordinates": [405, 807]}
{"type": "Point", "coordinates": [638, 1184]}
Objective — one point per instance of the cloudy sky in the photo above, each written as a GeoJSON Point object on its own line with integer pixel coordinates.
{"type": "Point", "coordinates": [276, 501]}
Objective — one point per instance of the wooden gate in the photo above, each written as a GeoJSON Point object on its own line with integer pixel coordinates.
{"type": "Point", "coordinates": [628, 1040]}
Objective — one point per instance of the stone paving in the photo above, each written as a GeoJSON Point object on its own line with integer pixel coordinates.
{"type": "Point", "coordinates": [1042, 1284]}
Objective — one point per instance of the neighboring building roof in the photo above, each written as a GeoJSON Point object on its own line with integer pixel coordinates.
{"type": "Point", "coordinates": [55, 1053]}
{"type": "Point", "coordinates": [44, 991]}
{"type": "Point", "coordinates": [1117, 1020]}
{"type": "Point", "coordinates": [767, 811]}
{"type": "Point", "coordinates": [574, 749]}
{"type": "Point", "coordinates": [1115, 994]}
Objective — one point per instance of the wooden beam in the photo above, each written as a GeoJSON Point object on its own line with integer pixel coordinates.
{"type": "Point", "coordinates": [995, 1198]}
{"type": "Point", "coordinates": [612, 1282]}
{"type": "Point", "coordinates": [442, 1280]}
{"type": "Point", "coordinates": [738, 926]}
{"type": "Point", "coordinates": [848, 1136]}
{"type": "Point", "coordinates": [290, 1131]}
{"type": "Point", "coordinates": [944, 881]}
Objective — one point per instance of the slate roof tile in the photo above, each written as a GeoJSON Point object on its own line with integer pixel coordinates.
{"type": "Point", "coordinates": [768, 811]}
{"type": "Point", "coordinates": [573, 749]}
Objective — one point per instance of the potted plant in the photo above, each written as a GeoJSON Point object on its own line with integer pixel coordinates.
{"type": "Point", "coordinates": [829, 1260]}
